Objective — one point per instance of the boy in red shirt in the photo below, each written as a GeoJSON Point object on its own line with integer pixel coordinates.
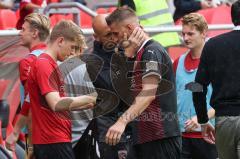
{"type": "Point", "coordinates": [51, 125]}
{"type": "Point", "coordinates": [35, 31]}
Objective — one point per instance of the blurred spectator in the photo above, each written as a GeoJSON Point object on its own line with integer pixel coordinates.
{"type": "Point", "coordinates": [221, 71]}
{"type": "Point", "coordinates": [82, 2]}
{"type": "Point", "coordinates": [28, 7]}
{"type": "Point", "coordinates": [194, 31]}
{"type": "Point", "coordinates": [154, 13]}
{"type": "Point", "coordinates": [184, 7]}
{"type": "Point", "coordinates": [6, 4]}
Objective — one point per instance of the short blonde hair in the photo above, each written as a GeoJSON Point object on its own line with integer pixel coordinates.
{"type": "Point", "coordinates": [196, 20]}
{"type": "Point", "coordinates": [70, 31]}
{"type": "Point", "coordinates": [82, 42]}
{"type": "Point", "coordinates": [39, 22]}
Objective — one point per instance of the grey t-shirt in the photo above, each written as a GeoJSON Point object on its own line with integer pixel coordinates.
{"type": "Point", "coordinates": [77, 82]}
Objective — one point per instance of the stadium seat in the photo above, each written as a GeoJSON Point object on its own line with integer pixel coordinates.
{"type": "Point", "coordinates": [86, 20]}
{"type": "Point", "coordinates": [111, 9]}
{"type": "Point", "coordinates": [8, 19]}
{"type": "Point", "coordinates": [101, 11]}
{"type": "Point", "coordinates": [55, 18]}
{"type": "Point", "coordinates": [176, 51]}
{"type": "Point", "coordinates": [17, 13]}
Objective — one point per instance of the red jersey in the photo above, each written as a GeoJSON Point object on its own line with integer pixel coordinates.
{"type": "Point", "coordinates": [24, 70]}
{"type": "Point", "coordinates": [189, 63]}
{"type": "Point", "coordinates": [159, 120]}
{"type": "Point", "coordinates": [47, 126]}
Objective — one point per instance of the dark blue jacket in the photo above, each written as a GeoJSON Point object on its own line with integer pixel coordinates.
{"type": "Point", "coordinates": [184, 7]}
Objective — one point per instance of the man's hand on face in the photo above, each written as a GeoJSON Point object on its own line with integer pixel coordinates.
{"type": "Point", "coordinates": [137, 37]}
{"type": "Point", "coordinates": [134, 42]}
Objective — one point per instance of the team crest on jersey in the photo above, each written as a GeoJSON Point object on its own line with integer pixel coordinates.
{"type": "Point", "coordinates": [122, 154]}
{"type": "Point", "coordinates": [152, 65]}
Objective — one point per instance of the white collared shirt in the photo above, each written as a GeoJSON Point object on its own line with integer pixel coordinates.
{"type": "Point", "coordinates": [143, 44]}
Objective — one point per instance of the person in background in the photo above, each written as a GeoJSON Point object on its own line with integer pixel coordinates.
{"type": "Point", "coordinates": [51, 125]}
{"type": "Point", "coordinates": [34, 33]}
{"type": "Point", "coordinates": [194, 31]}
{"type": "Point", "coordinates": [6, 5]}
{"type": "Point", "coordinates": [152, 13]}
{"type": "Point", "coordinates": [27, 7]}
{"type": "Point", "coordinates": [183, 7]}
{"type": "Point", "coordinates": [221, 71]}
{"type": "Point", "coordinates": [77, 82]}
{"type": "Point", "coordinates": [103, 37]}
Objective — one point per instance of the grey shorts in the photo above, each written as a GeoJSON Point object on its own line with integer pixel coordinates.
{"type": "Point", "coordinates": [228, 137]}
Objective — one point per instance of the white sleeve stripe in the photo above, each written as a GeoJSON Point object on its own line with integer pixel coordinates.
{"type": "Point", "coordinates": [152, 73]}
{"type": "Point", "coordinates": [27, 99]}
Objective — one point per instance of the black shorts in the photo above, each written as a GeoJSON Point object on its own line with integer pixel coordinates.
{"type": "Point", "coordinates": [194, 148]}
{"type": "Point", "coordinates": [120, 151]}
{"type": "Point", "coordinates": [169, 148]}
{"type": "Point", "coordinates": [53, 151]}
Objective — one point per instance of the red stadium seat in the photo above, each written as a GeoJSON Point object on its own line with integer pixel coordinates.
{"type": "Point", "coordinates": [176, 51]}
{"type": "Point", "coordinates": [86, 20]}
{"type": "Point", "coordinates": [17, 13]}
{"type": "Point", "coordinates": [111, 9]}
{"type": "Point", "coordinates": [8, 19]}
{"type": "Point", "coordinates": [55, 18]}
{"type": "Point", "coordinates": [101, 11]}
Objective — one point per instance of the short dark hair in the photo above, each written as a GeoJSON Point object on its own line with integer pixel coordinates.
{"type": "Point", "coordinates": [235, 13]}
{"type": "Point", "coordinates": [120, 14]}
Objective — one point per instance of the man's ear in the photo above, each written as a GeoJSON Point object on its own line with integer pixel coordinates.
{"type": "Point", "coordinates": [81, 50]}
{"type": "Point", "coordinates": [35, 33]}
{"type": "Point", "coordinates": [204, 33]}
{"type": "Point", "coordinates": [60, 41]}
{"type": "Point", "coordinates": [130, 27]}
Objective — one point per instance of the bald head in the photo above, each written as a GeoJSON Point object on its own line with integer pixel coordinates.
{"type": "Point", "coordinates": [99, 23]}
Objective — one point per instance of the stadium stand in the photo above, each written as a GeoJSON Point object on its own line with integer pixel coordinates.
{"type": "Point", "coordinates": [8, 19]}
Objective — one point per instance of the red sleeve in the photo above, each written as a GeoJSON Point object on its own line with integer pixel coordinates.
{"type": "Point", "coordinates": [24, 68]}
{"type": "Point", "coordinates": [175, 65]}
{"type": "Point", "coordinates": [46, 76]}
{"type": "Point", "coordinates": [25, 108]}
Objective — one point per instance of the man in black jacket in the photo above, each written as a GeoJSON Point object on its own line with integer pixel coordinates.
{"type": "Point", "coordinates": [219, 66]}
{"type": "Point", "coordinates": [104, 45]}
{"type": "Point", "coordinates": [184, 7]}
